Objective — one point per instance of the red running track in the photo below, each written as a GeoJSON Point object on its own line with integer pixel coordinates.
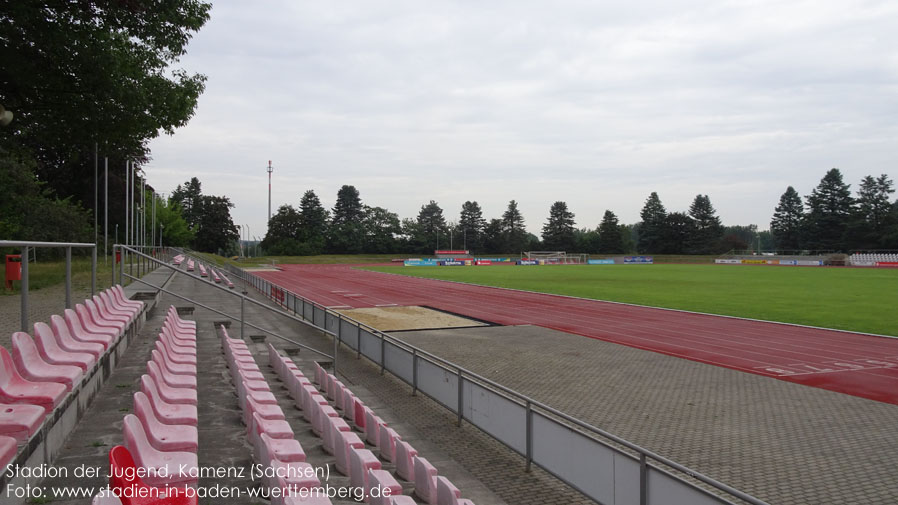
{"type": "Point", "coordinates": [851, 363]}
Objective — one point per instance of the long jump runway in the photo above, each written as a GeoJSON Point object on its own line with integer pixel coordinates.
{"type": "Point", "coordinates": [851, 363]}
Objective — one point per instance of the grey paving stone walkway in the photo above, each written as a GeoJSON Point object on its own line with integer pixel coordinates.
{"type": "Point", "coordinates": [784, 443]}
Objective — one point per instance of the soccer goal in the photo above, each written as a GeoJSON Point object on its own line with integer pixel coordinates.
{"type": "Point", "coordinates": [556, 257]}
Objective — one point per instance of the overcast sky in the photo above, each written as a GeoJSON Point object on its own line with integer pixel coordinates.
{"type": "Point", "coordinates": [595, 103]}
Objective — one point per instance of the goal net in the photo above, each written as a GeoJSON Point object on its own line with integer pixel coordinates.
{"type": "Point", "coordinates": [555, 257]}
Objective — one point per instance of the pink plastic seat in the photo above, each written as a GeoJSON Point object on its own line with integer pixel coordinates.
{"type": "Point", "coordinates": [348, 406]}
{"type": "Point", "coordinates": [51, 352]}
{"type": "Point", "coordinates": [177, 348]}
{"type": "Point", "coordinates": [104, 319]}
{"type": "Point", "coordinates": [178, 396]}
{"type": "Point", "coordinates": [180, 334]}
{"type": "Point", "coordinates": [164, 437]}
{"type": "Point", "coordinates": [448, 494]}
{"type": "Point", "coordinates": [111, 313]}
{"type": "Point", "coordinates": [373, 425]}
{"type": "Point", "coordinates": [405, 460]}
{"type": "Point", "coordinates": [321, 415]}
{"type": "Point", "coordinates": [293, 496]}
{"type": "Point", "coordinates": [381, 486]}
{"type": "Point", "coordinates": [68, 343]}
{"type": "Point", "coordinates": [168, 413]}
{"type": "Point", "coordinates": [333, 425]}
{"type": "Point", "coordinates": [387, 443]}
{"type": "Point", "coordinates": [7, 450]}
{"type": "Point", "coordinates": [184, 359]}
{"type": "Point", "coordinates": [265, 411]}
{"type": "Point", "coordinates": [275, 428]}
{"type": "Point", "coordinates": [425, 480]}
{"type": "Point", "coordinates": [16, 390]}
{"type": "Point", "coordinates": [20, 421]}
{"type": "Point", "coordinates": [163, 468]}
{"type": "Point", "coordinates": [283, 449]}
{"type": "Point", "coordinates": [90, 326]}
{"type": "Point", "coordinates": [124, 474]}
{"type": "Point", "coordinates": [113, 303]}
{"type": "Point", "coordinates": [360, 461]}
{"type": "Point", "coordinates": [178, 320]}
{"type": "Point", "coordinates": [32, 367]}
{"type": "Point", "coordinates": [171, 367]}
{"type": "Point", "coordinates": [346, 441]}
{"type": "Point", "coordinates": [119, 293]}
{"type": "Point", "coordinates": [172, 380]}
{"type": "Point", "coordinates": [77, 330]}
{"type": "Point", "coordinates": [402, 500]}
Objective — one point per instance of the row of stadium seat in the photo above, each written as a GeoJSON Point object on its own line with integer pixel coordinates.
{"type": "Point", "coordinates": [209, 272]}
{"type": "Point", "coordinates": [361, 465]}
{"type": "Point", "coordinates": [45, 372]}
{"type": "Point", "coordinates": [867, 258]}
{"type": "Point", "coordinates": [161, 436]}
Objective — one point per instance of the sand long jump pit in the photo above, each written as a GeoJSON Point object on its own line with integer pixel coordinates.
{"type": "Point", "coordinates": [412, 317]}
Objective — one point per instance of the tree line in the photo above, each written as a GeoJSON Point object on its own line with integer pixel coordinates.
{"type": "Point", "coordinates": [830, 219]}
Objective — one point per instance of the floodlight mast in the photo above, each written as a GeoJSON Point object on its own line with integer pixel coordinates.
{"type": "Point", "coordinates": [269, 189]}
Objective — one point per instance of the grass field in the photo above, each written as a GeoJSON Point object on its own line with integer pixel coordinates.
{"type": "Point", "coordinates": [855, 299]}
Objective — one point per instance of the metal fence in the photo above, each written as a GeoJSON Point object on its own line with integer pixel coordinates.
{"type": "Point", "coordinates": [28, 245]}
{"type": "Point", "coordinates": [602, 466]}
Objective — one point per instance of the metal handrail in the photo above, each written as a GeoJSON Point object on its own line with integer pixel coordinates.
{"type": "Point", "coordinates": [28, 244]}
{"type": "Point", "coordinates": [243, 300]}
{"type": "Point", "coordinates": [512, 395]}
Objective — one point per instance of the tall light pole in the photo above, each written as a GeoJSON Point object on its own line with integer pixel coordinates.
{"type": "Point", "coordinates": [269, 189]}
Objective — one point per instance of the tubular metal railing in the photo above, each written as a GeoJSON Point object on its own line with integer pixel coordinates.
{"type": "Point", "coordinates": [27, 245]}
{"type": "Point", "coordinates": [648, 461]}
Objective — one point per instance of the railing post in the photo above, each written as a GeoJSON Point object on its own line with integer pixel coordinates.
{"type": "Point", "coordinates": [643, 480]}
{"type": "Point", "coordinates": [68, 277]}
{"type": "Point", "coordinates": [24, 295]}
{"type": "Point", "coordinates": [121, 266]}
{"type": "Point", "coordinates": [242, 314]}
{"type": "Point", "coordinates": [336, 345]}
{"type": "Point", "coordinates": [113, 266]}
{"type": "Point", "coordinates": [383, 343]}
{"type": "Point", "coordinates": [93, 271]}
{"type": "Point", "coordinates": [358, 341]}
{"type": "Point", "coordinates": [529, 435]}
{"type": "Point", "coordinates": [414, 371]}
{"type": "Point", "coordinates": [460, 396]}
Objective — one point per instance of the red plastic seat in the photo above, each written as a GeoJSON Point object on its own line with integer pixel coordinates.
{"type": "Point", "coordinates": [173, 380]}
{"type": "Point", "coordinates": [16, 390]}
{"type": "Point", "coordinates": [68, 343]}
{"type": "Point", "coordinates": [168, 413]}
{"type": "Point", "coordinates": [164, 437]}
{"type": "Point", "coordinates": [50, 351]}
{"type": "Point", "coordinates": [169, 394]}
{"type": "Point", "coordinates": [92, 327]}
{"type": "Point", "coordinates": [124, 474]}
{"type": "Point", "coordinates": [32, 367]}
{"type": "Point", "coordinates": [171, 367]}
{"type": "Point", "coordinates": [77, 330]}
{"type": "Point", "coordinates": [7, 450]}
{"type": "Point", "coordinates": [20, 421]}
